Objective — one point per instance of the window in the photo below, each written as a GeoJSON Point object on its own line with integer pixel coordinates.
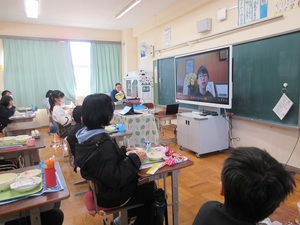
{"type": "Point", "coordinates": [81, 63]}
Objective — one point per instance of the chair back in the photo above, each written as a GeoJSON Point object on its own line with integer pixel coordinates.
{"type": "Point", "coordinates": [149, 105]}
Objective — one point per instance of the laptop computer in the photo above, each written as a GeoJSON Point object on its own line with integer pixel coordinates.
{"type": "Point", "coordinates": [172, 109]}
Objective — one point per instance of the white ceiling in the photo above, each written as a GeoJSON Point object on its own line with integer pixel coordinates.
{"type": "Point", "coordinates": [97, 14]}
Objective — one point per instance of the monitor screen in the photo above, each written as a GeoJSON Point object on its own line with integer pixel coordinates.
{"type": "Point", "coordinates": [205, 78]}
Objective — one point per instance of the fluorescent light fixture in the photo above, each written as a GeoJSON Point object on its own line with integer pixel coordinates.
{"type": "Point", "coordinates": [128, 7]}
{"type": "Point", "coordinates": [32, 8]}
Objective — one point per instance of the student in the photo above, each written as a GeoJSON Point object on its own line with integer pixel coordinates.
{"type": "Point", "coordinates": [253, 184]}
{"type": "Point", "coordinates": [101, 160]}
{"type": "Point", "coordinates": [6, 92]}
{"type": "Point", "coordinates": [46, 99]}
{"type": "Point", "coordinates": [202, 80]}
{"type": "Point", "coordinates": [72, 140]}
{"type": "Point", "coordinates": [46, 103]}
{"type": "Point", "coordinates": [118, 89]}
{"type": "Point", "coordinates": [58, 114]}
{"type": "Point", "coordinates": [7, 109]}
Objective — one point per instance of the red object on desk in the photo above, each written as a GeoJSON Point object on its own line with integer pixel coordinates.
{"type": "Point", "coordinates": [49, 171]}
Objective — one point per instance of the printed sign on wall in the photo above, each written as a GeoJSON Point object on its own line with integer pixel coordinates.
{"type": "Point", "coordinates": [251, 10]}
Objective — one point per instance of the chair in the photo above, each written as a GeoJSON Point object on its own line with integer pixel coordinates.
{"type": "Point", "coordinates": [149, 105]}
{"type": "Point", "coordinates": [172, 127]}
{"type": "Point", "coordinates": [71, 161]}
{"type": "Point", "coordinates": [93, 208]}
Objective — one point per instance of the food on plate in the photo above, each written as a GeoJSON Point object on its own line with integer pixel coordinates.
{"type": "Point", "coordinates": [7, 140]}
{"type": "Point", "coordinates": [22, 139]}
{"type": "Point", "coordinates": [26, 184]}
{"type": "Point", "coordinates": [31, 173]}
{"type": "Point", "coordinates": [154, 155]}
{"type": "Point", "coordinates": [138, 151]}
{"type": "Point", "coordinates": [6, 179]}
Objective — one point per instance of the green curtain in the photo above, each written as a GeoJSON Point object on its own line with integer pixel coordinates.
{"type": "Point", "coordinates": [32, 67]}
{"type": "Point", "coordinates": [105, 66]}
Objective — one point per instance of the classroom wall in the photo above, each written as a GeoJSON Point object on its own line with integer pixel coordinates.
{"type": "Point", "coordinates": [280, 142]}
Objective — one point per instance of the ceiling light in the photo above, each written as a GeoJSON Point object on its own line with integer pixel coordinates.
{"type": "Point", "coordinates": [128, 7]}
{"type": "Point", "coordinates": [32, 8]}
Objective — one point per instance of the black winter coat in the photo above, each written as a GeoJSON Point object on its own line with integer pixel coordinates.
{"type": "Point", "coordinates": [101, 160]}
{"type": "Point", "coordinates": [5, 113]}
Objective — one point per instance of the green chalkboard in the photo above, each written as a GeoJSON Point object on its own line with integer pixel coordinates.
{"type": "Point", "coordinates": [166, 83]}
{"type": "Point", "coordinates": [259, 70]}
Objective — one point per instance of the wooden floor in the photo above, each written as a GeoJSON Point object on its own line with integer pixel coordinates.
{"type": "Point", "coordinates": [197, 184]}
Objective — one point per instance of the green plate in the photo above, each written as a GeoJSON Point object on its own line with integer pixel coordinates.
{"type": "Point", "coordinates": [11, 194]}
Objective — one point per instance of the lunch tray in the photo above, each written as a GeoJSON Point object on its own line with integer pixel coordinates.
{"type": "Point", "coordinates": [12, 195]}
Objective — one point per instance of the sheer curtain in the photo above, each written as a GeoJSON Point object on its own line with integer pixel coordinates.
{"type": "Point", "coordinates": [105, 66]}
{"type": "Point", "coordinates": [32, 67]}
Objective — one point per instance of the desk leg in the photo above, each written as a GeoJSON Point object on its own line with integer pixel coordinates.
{"type": "Point", "coordinates": [174, 179]}
{"type": "Point", "coordinates": [27, 159]}
{"type": "Point", "coordinates": [35, 218]}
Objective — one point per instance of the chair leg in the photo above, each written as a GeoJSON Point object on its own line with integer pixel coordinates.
{"type": "Point", "coordinates": [124, 217]}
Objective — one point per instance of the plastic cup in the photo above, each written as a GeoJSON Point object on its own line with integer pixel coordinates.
{"type": "Point", "coordinates": [121, 127]}
{"type": "Point", "coordinates": [147, 145]}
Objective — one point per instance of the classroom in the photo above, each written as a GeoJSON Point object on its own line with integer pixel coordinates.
{"type": "Point", "coordinates": [191, 26]}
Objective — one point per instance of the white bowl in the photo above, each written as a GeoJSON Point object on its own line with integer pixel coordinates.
{"type": "Point", "coordinates": [26, 184]}
{"type": "Point", "coordinates": [6, 179]}
{"type": "Point", "coordinates": [154, 155]}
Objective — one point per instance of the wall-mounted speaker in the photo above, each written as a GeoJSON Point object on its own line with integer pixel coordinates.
{"type": "Point", "coordinates": [204, 25]}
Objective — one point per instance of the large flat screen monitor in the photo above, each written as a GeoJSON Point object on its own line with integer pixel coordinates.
{"type": "Point", "coordinates": [205, 78]}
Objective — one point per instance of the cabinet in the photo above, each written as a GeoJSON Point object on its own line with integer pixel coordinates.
{"type": "Point", "coordinates": [202, 134]}
{"type": "Point", "coordinates": [139, 85]}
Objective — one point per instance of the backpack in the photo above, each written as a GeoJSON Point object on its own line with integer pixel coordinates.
{"type": "Point", "coordinates": [159, 208]}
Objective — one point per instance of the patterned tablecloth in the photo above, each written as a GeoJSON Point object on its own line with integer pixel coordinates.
{"type": "Point", "coordinates": [142, 126]}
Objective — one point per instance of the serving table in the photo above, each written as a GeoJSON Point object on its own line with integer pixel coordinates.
{"type": "Point", "coordinates": [142, 126]}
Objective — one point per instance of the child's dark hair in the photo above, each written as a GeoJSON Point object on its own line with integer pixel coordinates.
{"type": "Point", "coordinates": [254, 184]}
{"type": "Point", "coordinates": [97, 111]}
{"type": "Point", "coordinates": [77, 113]}
{"type": "Point", "coordinates": [49, 92]}
{"type": "Point", "coordinates": [5, 92]}
{"type": "Point", "coordinates": [55, 94]}
{"type": "Point", "coordinates": [5, 100]}
{"type": "Point", "coordinates": [203, 70]}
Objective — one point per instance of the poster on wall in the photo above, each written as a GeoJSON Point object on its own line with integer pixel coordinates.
{"type": "Point", "coordinates": [251, 10]}
{"type": "Point", "coordinates": [285, 5]}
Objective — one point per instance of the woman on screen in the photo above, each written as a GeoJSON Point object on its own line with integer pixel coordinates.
{"type": "Point", "coordinates": [202, 80]}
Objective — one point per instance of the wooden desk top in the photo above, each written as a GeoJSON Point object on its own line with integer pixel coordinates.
{"type": "Point", "coordinates": [22, 117]}
{"type": "Point", "coordinates": [36, 201]}
{"type": "Point", "coordinates": [32, 125]}
{"type": "Point", "coordinates": [166, 169]}
{"type": "Point", "coordinates": [39, 143]}
{"type": "Point", "coordinates": [162, 114]}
